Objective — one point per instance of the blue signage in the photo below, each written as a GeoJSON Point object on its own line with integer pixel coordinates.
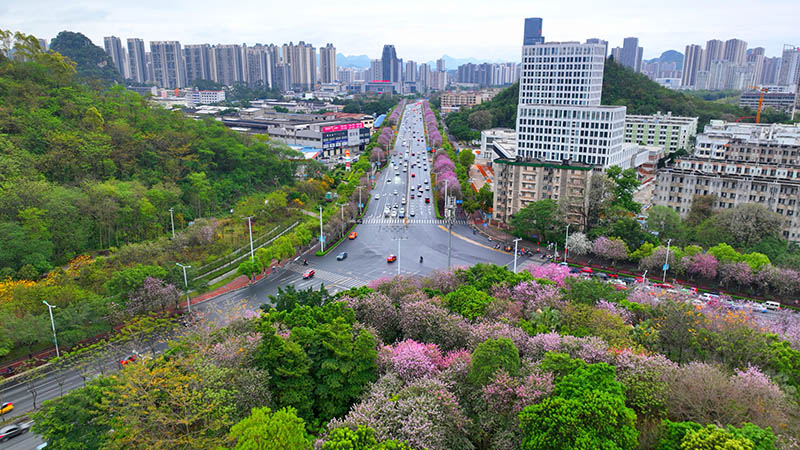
{"type": "Point", "coordinates": [666, 267]}
{"type": "Point", "coordinates": [322, 238]}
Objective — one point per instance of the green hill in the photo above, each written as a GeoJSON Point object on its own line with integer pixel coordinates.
{"type": "Point", "coordinates": [91, 61]}
{"type": "Point", "coordinates": [621, 86]}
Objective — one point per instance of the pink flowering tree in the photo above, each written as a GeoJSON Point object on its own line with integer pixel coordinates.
{"type": "Point", "coordinates": [442, 164]}
{"type": "Point", "coordinates": [553, 272]}
{"type": "Point", "coordinates": [613, 249]}
{"type": "Point", "coordinates": [428, 321]}
{"type": "Point", "coordinates": [410, 359]}
{"type": "Point", "coordinates": [154, 295]}
{"type": "Point", "coordinates": [702, 265]}
{"type": "Point", "coordinates": [376, 310]}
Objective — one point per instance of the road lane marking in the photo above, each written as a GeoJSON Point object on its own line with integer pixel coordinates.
{"type": "Point", "coordinates": [473, 242]}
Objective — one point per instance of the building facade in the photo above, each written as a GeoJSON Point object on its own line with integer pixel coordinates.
{"type": "Point", "coordinates": [519, 182]}
{"type": "Point", "coordinates": [198, 62]}
{"type": "Point", "coordinates": [113, 46]}
{"type": "Point", "coordinates": [327, 64]}
{"type": "Point", "coordinates": [167, 61]}
{"type": "Point", "coordinates": [661, 130]}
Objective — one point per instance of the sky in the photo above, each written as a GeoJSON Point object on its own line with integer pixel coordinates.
{"type": "Point", "coordinates": [421, 30]}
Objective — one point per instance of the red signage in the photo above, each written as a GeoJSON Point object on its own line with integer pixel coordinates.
{"type": "Point", "coordinates": [344, 126]}
{"type": "Point", "coordinates": [381, 81]}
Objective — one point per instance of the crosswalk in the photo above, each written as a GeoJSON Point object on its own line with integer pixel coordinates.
{"type": "Point", "coordinates": [329, 278]}
{"type": "Point", "coordinates": [390, 221]}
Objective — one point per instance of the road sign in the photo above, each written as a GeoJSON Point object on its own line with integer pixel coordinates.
{"type": "Point", "coordinates": [360, 205]}
{"type": "Point", "coordinates": [322, 238]}
{"type": "Point", "coordinates": [459, 201]}
{"type": "Point", "coordinates": [485, 225]}
{"type": "Point", "coordinates": [666, 267]}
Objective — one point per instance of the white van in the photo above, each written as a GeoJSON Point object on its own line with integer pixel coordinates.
{"type": "Point", "coordinates": [772, 306]}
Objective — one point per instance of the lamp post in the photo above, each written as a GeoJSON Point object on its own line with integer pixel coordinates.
{"type": "Point", "coordinates": [666, 262]}
{"type": "Point", "coordinates": [566, 237]}
{"type": "Point", "coordinates": [250, 227]}
{"type": "Point", "coordinates": [359, 200]}
{"type": "Point", "coordinates": [186, 285]}
{"type": "Point", "coordinates": [398, 239]}
{"type": "Point", "coordinates": [53, 325]}
{"type": "Point", "coordinates": [321, 235]}
{"type": "Point", "coordinates": [516, 241]}
{"type": "Point", "coordinates": [172, 221]}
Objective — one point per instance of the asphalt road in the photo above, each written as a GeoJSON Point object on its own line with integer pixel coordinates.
{"type": "Point", "coordinates": [378, 237]}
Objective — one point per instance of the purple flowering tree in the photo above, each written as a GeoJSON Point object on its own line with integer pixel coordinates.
{"type": "Point", "coordinates": [443, 163]}
{"type": "Point", "coordinates": [428, 321]}
{"type": "Point", "coordinates": [613, 249]}
{"type": "Point", "coordinates": [154, 295]}
{"type": "Point", "coordinates": [702, 265]}
{"type": "Point", "coordinates": [553, 272]}
{"type": "Point", "coordinates": [376, 310]}
{"type": "Point", "coordinates": [410, 360]}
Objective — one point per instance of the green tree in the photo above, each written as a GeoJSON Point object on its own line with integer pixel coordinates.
{"type": "Point", "coordinates": [626, 183]}
{"type": "Point", "coordinates": [265, 430]}
{"type": "Point", "coordinates": [468, 301]}
{"type": "Point", "coordinates": [490, 356]}
{"type": "Point", "coordinates": [127, 280]}
{"type": "Point", "coordinates": [537, 218]}
{"type": "Point", "coordinates": [485, 197]}
{"type": "Point", "coordinates": [466, 158]}
{"type": "Point", "coordinates": [667, 223]}
{"type": "Point", "coordinates": [702, 208]}
{"type": "Point", "coordinates": [250, 268]}
{"type": "Point", "coordinates": [362, 438]}
{"type": "Point", "coordinates": [75, 421]}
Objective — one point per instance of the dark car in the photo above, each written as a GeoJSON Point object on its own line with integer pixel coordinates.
{"type": "Point", "coordinates": [341, 256]}
{"type": "Point", "coordinates": [10, 432]}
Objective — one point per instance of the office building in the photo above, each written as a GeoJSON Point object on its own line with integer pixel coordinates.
{"type": "Point", "coordinates": [790, 66]}
{"type": "Point", "coordinates": [389, 64]}
{"type": "Point", "coordinates": [692, 63]}
{"type": "Point", "coordinates": [672, 133]}
{"type": "Point", "coordinates": [519, 182]}
{"type": "Point", "coordinates": [424, 77]}
{"type": "Point", "coordinates": [375, 70]}
{"type": "Point", "coordinates": [785, 101]}
{"type": "Point", "coordinates": [440, 65]}
{"type": "Point", "coordinates": [283, 77]}
{"type": "Point", "coordinates": [454, 100]}
{"type": "Point", "coordinates": [770, 71]}
{"type": "Point", "coordinates": [196, 97]}
{"type": "Point", "coordinates": [197, 59]}
{"type": "Point", "coordinates": [735, 51]}
{"type": "Point", "coordinates": [167, 62]}
{"type": "Point", "coordinates": [113, 46]}
{"type": "Point", "coordinates": [559, 116]}
{"type": "Point", "coordinates": [137, 61]}
{"type": "Point", "coordinates": [533, 31]}
{"type": "Point", "coordinates": [327, 64]}
{"type": "Point", "coordinates": [599, 41]}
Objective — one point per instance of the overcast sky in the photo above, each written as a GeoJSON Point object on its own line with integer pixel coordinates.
{"type": "Point", "coordinates": [421, 30]}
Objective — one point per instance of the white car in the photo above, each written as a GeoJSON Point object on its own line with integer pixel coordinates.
{"type": "Point", "coordinates": [395, 192]}
{"type": "Point", "coordinates": [377, 196]}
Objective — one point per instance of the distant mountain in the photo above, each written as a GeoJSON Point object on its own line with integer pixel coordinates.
{"type": "Point", "coordinates": [670, 56]}
{"type": "Point", "coordinates": [451, 63]}
{"type": "Point", "coordinates": [91, 61]}
{"type": "Point", "coordinates": [360, 61]}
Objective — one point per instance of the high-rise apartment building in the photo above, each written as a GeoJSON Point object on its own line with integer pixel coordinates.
{"type": "Point", "coordinates": [559, 116]}
{"type": "Point", "coordinates": [411, 71]}
{"type": "Point", "coordinates": [424, 77]}
{"type": "Point", "coordinates": [168, 68]}
{"type": "Point", "coordinates": [631, 55]}
{"type": "Point", "coordinates": [227, 64]}
{"type": "Point", "coordinates": [259, 66]}
{"type": "Point", "coordinates": [735, 51]}
{"type": "Point", "coordinates": [113, 46]}
{"type": "Point", "coordinates": [137, 61]}
{"type": "Point", "coordinates": [440, 65]}
{"type": "Point", "coordinates": [303, 60]}
{"type": "Point", "coordinates": [327, 64]}
{"type": "Point", "coordinates": [692, 63]}
{"type": "Point", "coordinates": [715, 50]}
{"type": "Point", "coordinates": [790, 66]}
{"type": "Point", "coordinates": [197, 59]}
{"type": "Point", "coordinates": [770, 70]}
{"type": "Point", "coordinates": [533, 31]}
{"type": "Point", "coordinates": [599, 41]}
{"type": "Point", "coordinates": [389, 64]}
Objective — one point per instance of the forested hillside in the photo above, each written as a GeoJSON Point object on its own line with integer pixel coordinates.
{"type": "Point", "coordinates": [621, 86]}
{"type": "Point", "coordinates": [84, 168]}
{"type": "Point", "coordinates": [91, 61]}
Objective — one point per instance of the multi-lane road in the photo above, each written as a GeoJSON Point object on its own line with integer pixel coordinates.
{"type": "Point", "coordinates": [409, 238]}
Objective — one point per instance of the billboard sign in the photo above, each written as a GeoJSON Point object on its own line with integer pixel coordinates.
{"type": "Point", "coordinates": [342, 127]}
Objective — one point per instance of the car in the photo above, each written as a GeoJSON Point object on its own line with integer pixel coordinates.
{"type": "Point", "coordinates": [10, 431]}
{"type": "Point", "coordinates": [427, 199]}
{"type": "Point", "coordinates": [377, 196]}
{"type": "Point", "coordinates": [404, 201]}
{"type": "Point", "coordinates": [341, 256]}
{"type": "Point", "coordinates": [427, 188]}
{"type": "Point", "coordinates": [412, 197]}
{"type": "Point", "coordinates": [391, 258]}
{"type": "Point", "coordinates": [402, 215]}
{"type": "Point", "coordinates": [587, 270]}
{"type": "Point", "coordinates": [394, 214]}
{"type": "Point", "coordinates": [395, 206]}
{"type": "Point", "coordinates": [412, 175]}
{"type": "Point", "coordinates": [395, 192]}
{"type": "Point", "coordinates": [6, 407]}
{"type": "Point", "coordinates": [352, 235]}
{"type": "Point", "coordinates": [128, 360]}
{"type": "Point", "coordinates": [426, 181]}
{"type": "Point", "coordinates": [308, 274]}
{"type": "Point", "coordinates": [412, 213]}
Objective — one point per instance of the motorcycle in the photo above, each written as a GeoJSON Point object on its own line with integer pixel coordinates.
{"type": "Point", "coordinates": [420, 259]}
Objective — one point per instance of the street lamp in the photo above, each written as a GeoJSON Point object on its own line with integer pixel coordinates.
{"type": "Point", "coordinates": [250, 227]}
{"type": "Point", "coordinates": [398, 239]}
{"type": "Point", "coordinates": [321, 234]}
{"type": "Point", "coordinates": [666, 262]}
{"type": "Point", "coordinates": [52, 324]}
{"type": "Point", "coordinates": [172, 221]}
{"type": "Point", "coordinates": [566, 237]}
{"type": "Point", "coordinates": [186, 284]}
{"type": "Point", "coordinates": [515, 253]}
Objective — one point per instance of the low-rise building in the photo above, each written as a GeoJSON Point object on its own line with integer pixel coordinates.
{"type": "Point", "coordinates": [663, 130]}
{"type": "Point", "coordinates": [198, 97]}
{"type": "Point", "coordinates": [498, 143]}
{"type": "Point", "coordinates": [785, 101]}
{"type": "Point", "coordinates": [767, 143]}
{"type": "Point", "coordinates": [454, 100]}
{"type": "Point", "coordinates": [775, 186]}
{"type": "Point", "coordinates": [518, 182]}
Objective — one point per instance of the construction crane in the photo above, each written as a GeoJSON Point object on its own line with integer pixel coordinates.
{"type": "Point", "coordinates": [763, 90]}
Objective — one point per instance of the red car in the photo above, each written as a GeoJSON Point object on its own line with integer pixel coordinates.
{"type": "Point", "coordinates": [412, 175]}
{"type": "Point", "coordinates": [391, 258]}
{"type": "Point", "coordinates": [352, 235]}
{"type": "Point", "coordinates": [308, 274]}
{"type": "Point", "coordinates": [587, 270]}
{"type": "Point", "coordinates": [128, 360]}
{"type": "Point", "coordinates": [427, 199]}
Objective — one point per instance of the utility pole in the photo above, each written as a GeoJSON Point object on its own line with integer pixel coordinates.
{"type": "Point", "coordinates": [398, 239]}
{"type": "Point", "coordinates": [515, 253]}
{"type": "Point", "coordinates": [52, 324]}
{"type": "Point", "coordinates": [666, 262]}
{"type": "Point", "coordinates": [342, 208]}
{"type": "Point", "coordinates": [448, 215]}
{"type": "Point", "coordinates": [566, 236]}
{"type": "Point", "coordinates": [186, 285]}
{"type": "Point", "coordinates": [360, 211]}
{"type": "Point", "coordinates": [321, 235]}
{"type": "Point", "coordinates": [250, 227]}
{"type": "Point", "coordinates": [172, 221]}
